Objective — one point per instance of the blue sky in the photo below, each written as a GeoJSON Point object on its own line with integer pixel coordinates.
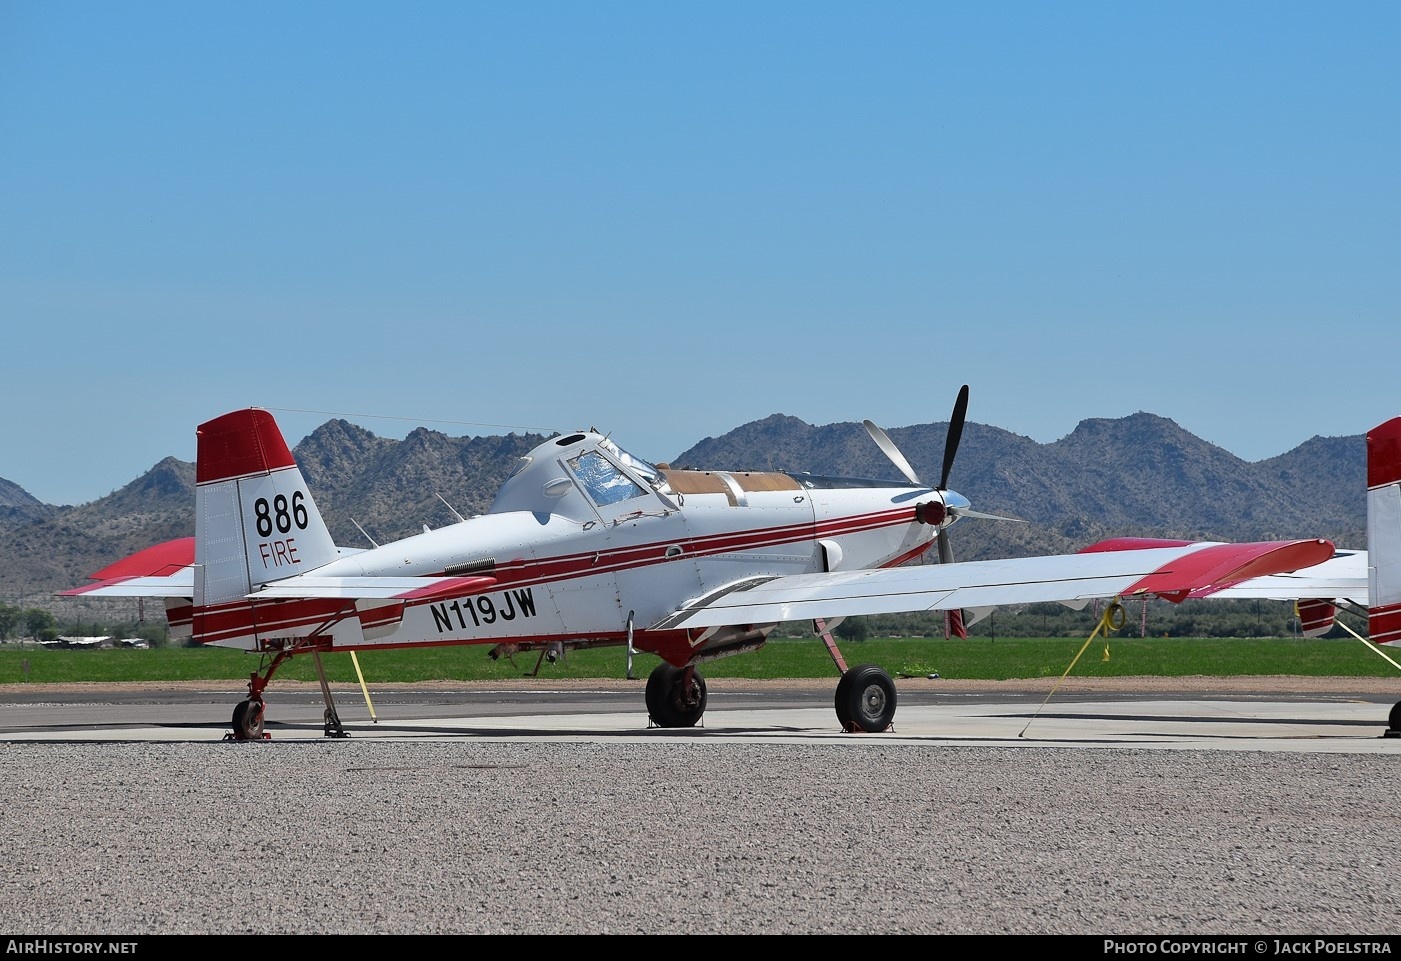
{"type": "Point", "coordinates": [669, 219]}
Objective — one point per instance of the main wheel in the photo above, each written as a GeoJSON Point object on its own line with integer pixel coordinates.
{"type": "Point", "coordinates": [1394, 718]}
{"type": "Point", "coordinates": [248, 720]}
{"type": "Point", "coordinates": [865, 699]}
{"type": "Point", "coordinates": [671, 701]}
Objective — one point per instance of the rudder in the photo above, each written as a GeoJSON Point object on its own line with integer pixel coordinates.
{"type": "Point", "coordinates": [255, 519]}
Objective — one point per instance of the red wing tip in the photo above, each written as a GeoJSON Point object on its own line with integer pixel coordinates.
{"type": "Point", "coordinates": [1202, 573]}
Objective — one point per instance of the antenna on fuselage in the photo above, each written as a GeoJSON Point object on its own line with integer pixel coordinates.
{"type": "Point", "coordinates": [449, 507]}
{"type": "Point", "coordinates": [362, 531]}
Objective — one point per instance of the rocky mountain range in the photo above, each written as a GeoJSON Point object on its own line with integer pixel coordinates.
{"type": "Point", "coordinates": [1136, 475]}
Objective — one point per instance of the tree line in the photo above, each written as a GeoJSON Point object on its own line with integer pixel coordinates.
{"type": "Point", "coordinates": [36, 623]}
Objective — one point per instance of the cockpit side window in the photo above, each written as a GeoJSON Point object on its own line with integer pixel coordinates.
{"type": "Point", "coordinates": [603, 481]}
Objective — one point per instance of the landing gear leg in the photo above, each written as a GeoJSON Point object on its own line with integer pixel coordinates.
{"type": "Point", "coordinates": [865, 699]}
{"type": "Point", "coordinates": [332, 719]}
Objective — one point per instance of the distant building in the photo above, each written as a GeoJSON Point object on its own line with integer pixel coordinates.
{"type": "Point", "coordinates": [69, 640]}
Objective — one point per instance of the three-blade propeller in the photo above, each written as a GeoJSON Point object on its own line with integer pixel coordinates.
{"type": "Point", "coordinates": [955, 505]}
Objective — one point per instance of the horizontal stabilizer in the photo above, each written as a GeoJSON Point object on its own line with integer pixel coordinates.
{"type": "Point", "coordinates": [159, 560]}
{"type": "Point", "coordinates": [161, 570]}
{"type": "Point", "coordinates": [179, 584]}
{"type": "Point", "coordinates": [383, 588]}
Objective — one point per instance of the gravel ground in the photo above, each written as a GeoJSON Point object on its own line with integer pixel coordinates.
{"type": "Point", "coordinates": [478, 837]}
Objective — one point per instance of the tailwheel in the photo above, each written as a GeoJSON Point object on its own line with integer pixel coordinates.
{"type": "Point", "coordinates": [248, 720]}
{"type": "Point", "coordinates": [675, 696]}
{"type": "Point", "coordinates": [865, 699]}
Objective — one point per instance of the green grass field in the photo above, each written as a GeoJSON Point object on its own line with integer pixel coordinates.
{"type": "Point", "coordinates": [974, 658]}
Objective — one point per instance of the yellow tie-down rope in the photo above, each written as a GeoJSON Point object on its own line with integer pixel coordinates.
{"type": "Point", "coordinates": [1111, 620]}
{"type": "Point", "coordinates": [1366, 642]}
{"type": "Point", "coordinates": [364, 688]}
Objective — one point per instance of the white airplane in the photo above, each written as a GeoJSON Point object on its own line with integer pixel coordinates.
{"type": "Point", "coordinates": [586, 545]}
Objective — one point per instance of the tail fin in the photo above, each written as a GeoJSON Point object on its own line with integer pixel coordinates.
{"type": "Point", "coordinates": [1384, 532]}
{"type": "Point", "coordinates": [255, 520]}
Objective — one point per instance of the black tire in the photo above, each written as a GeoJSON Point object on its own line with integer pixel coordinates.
{"type": "Point", "coordinates": [248, 720]}
{"type": "Point", "coordinates": [671, 702]}
{"type": "Point", "coordinates": [1394, 718]}
{"type": "Point", "coordinates": [843, 703]}
{"type": "Point", "coordinates": [865, 699]}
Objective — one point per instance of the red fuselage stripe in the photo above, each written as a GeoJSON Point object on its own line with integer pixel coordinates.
{"type": "Point", "coordinates": [1384, 624]}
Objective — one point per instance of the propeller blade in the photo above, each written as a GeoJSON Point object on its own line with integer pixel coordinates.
{"type": "Point", "coordinates": [960, 411]}
{"type": "Point", "coordinates": [988, 517]}
{"type": "Point", "coordinates": [888, 448]}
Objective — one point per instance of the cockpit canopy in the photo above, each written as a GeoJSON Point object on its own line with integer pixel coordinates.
{"type": "Point", "coordinates": [583, 475]}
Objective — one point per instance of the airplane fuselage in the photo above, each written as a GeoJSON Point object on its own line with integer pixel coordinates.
{"type": "Point", "coordinates": [583, 543]}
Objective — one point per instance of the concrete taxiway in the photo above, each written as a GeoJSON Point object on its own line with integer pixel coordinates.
{"type": "Point", "coordinates": [1339, 716]}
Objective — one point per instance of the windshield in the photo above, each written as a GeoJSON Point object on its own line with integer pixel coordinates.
{"type": "Point", "coordinates": [647, 470]}
{"type": "Point", "coordinates": [603, 481]}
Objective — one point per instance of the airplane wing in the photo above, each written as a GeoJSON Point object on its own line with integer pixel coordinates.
{"type": "Point", "coordinates": [1174, 571]}
{"type": "Point", "coordinates": [1343, 577]}
{"type": "Point", "coordinates": [161, 570]}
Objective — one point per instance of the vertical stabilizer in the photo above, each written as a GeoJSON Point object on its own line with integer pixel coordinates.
{"type": "Point", "coordinates": [1384, 532]}
{"type": "Point", "coordinates": [255, 520]}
